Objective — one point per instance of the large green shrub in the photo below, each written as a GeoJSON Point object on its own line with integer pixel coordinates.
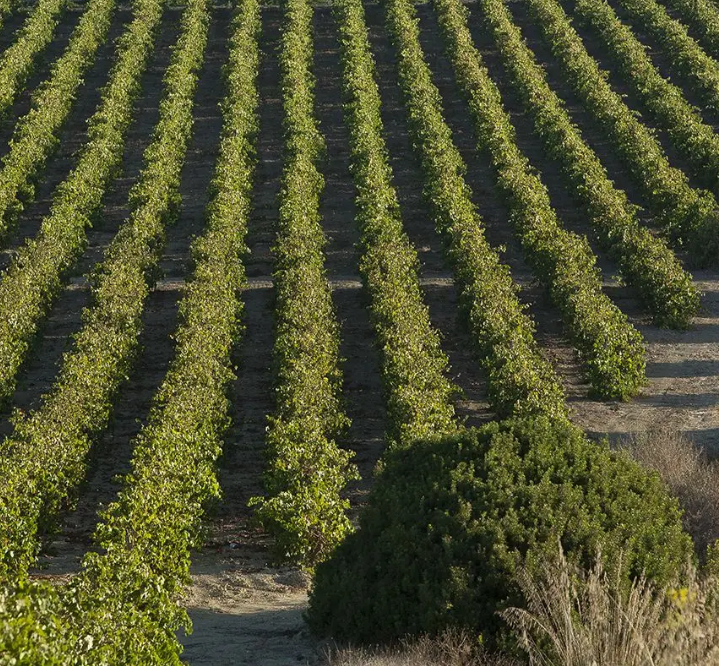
{"type": "Point", "coordinates": [450, 520]}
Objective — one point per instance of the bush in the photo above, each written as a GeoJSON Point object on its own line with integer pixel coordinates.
{"type": "Point", "coordinates": [450, 521]}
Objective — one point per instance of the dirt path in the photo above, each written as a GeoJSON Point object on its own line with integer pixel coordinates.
{"type": "Point", "coordinates": [436, 276]}
{"type": "Point", "coordinates": [248, 615]}
{"type": "Point", "coordinates": [112, 454]}
{"type": "Point", "coordinates": [683, 374]}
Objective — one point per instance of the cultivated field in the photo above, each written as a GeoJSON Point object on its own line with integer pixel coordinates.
{"type": "Point", "coordinates": [91, 307]}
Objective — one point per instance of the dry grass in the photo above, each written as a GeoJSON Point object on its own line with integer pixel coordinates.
{"type": "Point", "coordinates": [451, 649]}
{"type": "Point", "coordinates": [691, 477]}
{"type": "Point", "coordinates": [579, 619]}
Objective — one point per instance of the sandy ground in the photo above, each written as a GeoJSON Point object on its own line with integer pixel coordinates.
{"type": "Point", "coordinates": [245, 611]}
{"type": "Point", "coordinates": [683, 388]}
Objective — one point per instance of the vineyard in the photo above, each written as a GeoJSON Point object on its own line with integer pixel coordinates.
{"type": "Point", "coordinates": [337, 300]}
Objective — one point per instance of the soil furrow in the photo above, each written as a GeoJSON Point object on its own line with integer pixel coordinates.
{"type": "Point", "coordinates": [440, 296]}
{"type": "Point", "coordinates": [111, 456]}
{"type": "Point", "coordinates": [12, 22]}
{"type": "Point", "coordinates": [41, 71]}
{"type": "Point", "coordinates": [361, 367]}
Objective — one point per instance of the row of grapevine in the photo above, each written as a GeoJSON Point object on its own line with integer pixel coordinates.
{"type": "Point", "coordinates": [7, 7]}
{"type": "Point", "coordinates": [17, 61]}
{"type": "Point", "coordinates": [520, 380]}
{"type": "Point", "coordinates": [35, 135]}
{"type": "Point", "coordinates": [35, 276]}
{"type": "Point", "coordinates": [414, 368]}
{"type": "Point", "coordinates": [685, 213]}
{"type": "Point", "coordinates": [696, 140]}
{"type": "Point", "coordinates": [702, 16]}
{"type": "Point", "coordinates": [306, 469]}
{"type": "Point", "coordinates": [148, 532]}
{"type": "Point", "coordinates": [44, 460]}
{"type": "Point", "coordinates": [686, 57]}
{"type": "Point", "coordinates": [645, 260]}
{"type": "Point", "coordinates": [610, 348]}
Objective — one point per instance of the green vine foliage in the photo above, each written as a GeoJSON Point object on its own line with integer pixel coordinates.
{"type": "Point", "coordinates": [610, 348]}
{"type": "Point", "coordinates": [686, 57]}
{"type": "Point", "coordinates": [702, 17]}
{"type": "Point", "coordinates": [687, 215]}
{"type": "Point", "coordinates": [35, 136]}
{"type": "Point", "coordinates": [695, 139]}
{"type": "Point", "coordinates": [414, 368]}
{"type": "Point", "coordinates": [18, 60]}
{"type": "Point", "coordinates": [43, 462]}
{"type": "Point", "coordinates": [711, 565]}
{"type": "Point", "coordinates": [123, 606]}
{"type": "Point", "coordinates": [520, 380]}
{"type": "Point", "coordinates": [34, 278]}
{"type": "Point", "coordinates": [645, 260]}
{"type": "Point", "coordinates": [307, 471]}
{"type": "Point", "coordinates": [33, 628]}
{"type": "Point", "coordinates": [450, 520]}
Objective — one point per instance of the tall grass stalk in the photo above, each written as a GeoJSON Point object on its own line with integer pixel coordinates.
{"type": "Point", "coordinates": [578, 618]}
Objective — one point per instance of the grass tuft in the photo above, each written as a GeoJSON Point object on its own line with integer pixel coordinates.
{"type": "Point", "coordinates": [690, 475]}
{"type": "Point", "coordinates": [452, 648]}
{"type": "Point", "coordinates": [578, 618]}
